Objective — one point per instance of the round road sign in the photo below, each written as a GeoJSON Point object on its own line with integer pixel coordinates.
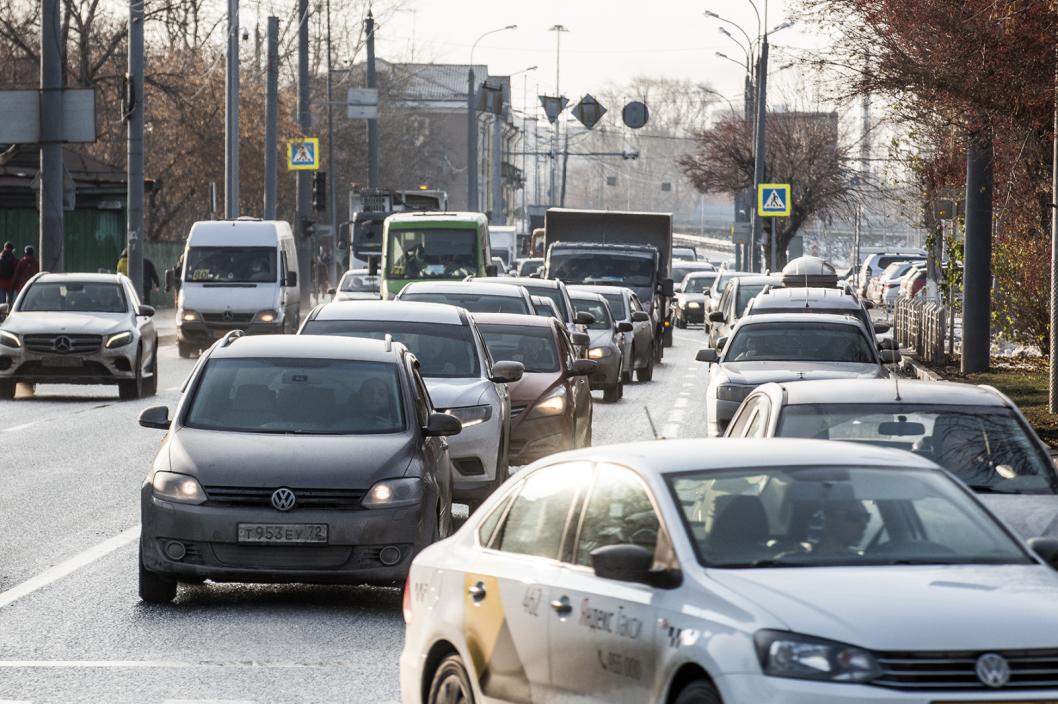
{"type": "Point", "coordinates": [635, 114]}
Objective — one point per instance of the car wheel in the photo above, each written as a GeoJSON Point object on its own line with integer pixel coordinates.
{"type": "Point", "coordinates": [133, 388]}
{"type": "Point", "coordinates": [150, 386]}
{"type": "Point", "coordinates": [184, 349]}
{"type": "Point", "coordinates": [7, 390]}
{"type": "Point", "coordinates": [451, 683]}
{"type": "Point", "coordinates": [155, 588]}
{"type": "Point", "coordinates": [611, 393]}
{"type": "Point", "coordinates": [699, 692]}
{"type": "Point", "coordinates": [646, 373]}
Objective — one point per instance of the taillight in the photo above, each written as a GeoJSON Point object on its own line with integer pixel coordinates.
{"type": "Point", "coordinates": [406, 605]}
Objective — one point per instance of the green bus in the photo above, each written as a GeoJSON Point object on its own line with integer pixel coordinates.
{"type": "Point", "coordinates": [433, 247]}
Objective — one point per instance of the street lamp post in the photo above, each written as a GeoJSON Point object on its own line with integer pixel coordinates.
{"type": "Point", "coordinates": [472, 132]}
{"type": "Point", "coordinates": [556, 128]}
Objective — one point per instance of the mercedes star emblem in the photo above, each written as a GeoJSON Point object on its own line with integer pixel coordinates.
{"type": "Point", "coordinates": [228, 316]}
{"type": "Point", "coordinates": [283, 499]}
{"type": "Point", "coordinates": [993, 670]}
{"type": "Point", "coordinates": [61, 344]}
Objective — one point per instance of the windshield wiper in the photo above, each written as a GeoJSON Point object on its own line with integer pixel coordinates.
{"type": "Point", "coordinates": [766, 562]}
{"type": "Point", "coordinates": [989, 489]}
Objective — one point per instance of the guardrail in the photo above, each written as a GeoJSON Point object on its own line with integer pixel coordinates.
{"type": "Point", "coordinates": [921, 326]}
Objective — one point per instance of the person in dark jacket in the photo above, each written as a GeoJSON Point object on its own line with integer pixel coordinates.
{"type": "Point", "coordinates": [8, 262]}
{"type": "Point", "coordinates": [26, 269]}
{"type": "Point", "coordinates": [150, 280]}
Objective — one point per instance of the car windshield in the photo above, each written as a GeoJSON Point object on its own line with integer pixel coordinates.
{"type": "Point", "coordinates": [799, 342]}
{"type": "Point", "coordinates": [818, 516]}
{"type": "Point", "coordinates": [617, 305]}
{"type": "Point", "coordinates": [746, 292]}
{"type": "Point", "coordinates": [299, 396]}
{"type": "Point", "coordinates": [431, 253]}
{"type": "Point", "coordinates": [475, 303]}
{"type": "Point", "coordinates": [592, 266]}
{"type": "Point", "coordinates": [532, 346]}
{"type": "Point", "coordinates": [699, 283]}
{"type": "Point", "coordinates": [231, 265]}
{"type": "Point", "coordinates": [444, 351]}
{"type": "Point", "coordinates": [530, 266]}
{"type": "Point", "coordinates": [73, 297]}
{"type": "Point", "coordinates": [988, 447]}
{"type": "Point", "coordinates": [359, 283]}
{"type": "Point", "coordinates": [603, 321]}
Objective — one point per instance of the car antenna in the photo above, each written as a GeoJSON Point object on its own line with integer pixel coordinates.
{"type": "Point", "coordinates": [653, 428]}
{"type": "Point", "coordinates": [388, 339]}
{"type": "Point", "coordinates": [896, 383]}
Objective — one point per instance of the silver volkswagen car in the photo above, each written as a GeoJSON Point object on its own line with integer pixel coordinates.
{"type": "Point", "coordinates": [459, 373]}
{"type": "Point", "coordinates": [79, 329]}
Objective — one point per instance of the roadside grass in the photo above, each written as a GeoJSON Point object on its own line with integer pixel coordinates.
{"type": "Point", "coordinates": [1025, 382]}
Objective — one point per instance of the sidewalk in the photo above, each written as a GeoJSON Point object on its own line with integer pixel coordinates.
{"type": "Point", "coordinates": [165, 324]}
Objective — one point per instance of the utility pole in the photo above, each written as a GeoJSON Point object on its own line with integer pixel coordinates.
{"type": "Point", "coordinates": [134, 167]}
{"type": "Point", "coordinates": [557, 127]}
{"type": "Point", "coordinates": [231, 115]}
{"type": "Point", "coordinates": [472, 142]}
{"type": "Point", "coordinates": [332, 177]}
{"type": "Point", "coordinates": [758, 156]}
{"type": "Point", "coordinates": [271, 120]}
{"type": "Point", "coordinates": [499, 216]}
{"type": "Point", "coordinates": [372, 123]}
{"type": "Point", "coordinates": [304, 178]}
{"type": "Point", "coordinates": [51, 136]}
{"type": "Point", "coordinates": [1052, 403]}
{"type": "Point", "coordinates": [977, 258]}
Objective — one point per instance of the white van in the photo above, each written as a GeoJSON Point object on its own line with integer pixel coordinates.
{"type": "Point", "coordinates": [236, 275]}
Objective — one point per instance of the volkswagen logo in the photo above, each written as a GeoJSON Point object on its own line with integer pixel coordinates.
{"type": "Point", "coordinates": [993, 670]}
{"type": "Point", "coordinates": [61, 344]}
{"type": "Point", "coordinates": [283, 499]}
{"type": "Point", "coordinates": [228, 316]}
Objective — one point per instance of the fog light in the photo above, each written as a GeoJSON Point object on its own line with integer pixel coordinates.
{"type": "Point", "coordinates": [389, 555]}
{"type": "Point", "coordinates": [175, 550]}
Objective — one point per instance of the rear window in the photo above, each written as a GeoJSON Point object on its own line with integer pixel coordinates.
{"type": "Point", "coordinates": [799, 342]}
{"type": "Point", "coordinates": [533, 346]}
{"type": "Point", "coordinates": [489, 303]}
{"type": "Point", "coordinates": [617, 305]}
{"type": "Point", "coordinates": [598, 310]}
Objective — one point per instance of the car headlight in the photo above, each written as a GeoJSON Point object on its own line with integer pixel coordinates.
{"type": "Point", "coordinates": [733, 392]}
{"type": "Point", "coordinates": [9, 339]}
{"type": "Point", "coordinates": [599, 352]}
{"type": "Point", "coordinates": [694, 305]}
{"type": "Point", "coordinates": [391, 493]}
{"type": "Point", "coordinates": [190, 316]}
{"type": "Point", "coordinates": [470, 415]}
{"type": "Point", "coordinates": [119, 339]}
{"type": "Point", "coordinates": [178, 487]}
{"type": "Point", "coordinates": [784, 654]}
{"type": "Point", "coordinates": [266, 316]}
{"type": "Point", "coordinates": [553, 405]}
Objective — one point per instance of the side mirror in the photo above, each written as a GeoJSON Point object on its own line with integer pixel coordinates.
{"type": "Point", "coordinates": [492, 270]}
{"type": "Point", "coordinates": [1046, 549]}
{"type": "Point", "coordinates": [880, 328]}
{"type": "Point", "coordinates": [170, 279]}
{"type": "Point", "coordinates": [580, 339]}
{"type": "Point", "coordinates": [442, 425]}
{"type": "Point", "coordinates": [507, 372]}
{"type": "Point", "coordinates": [716, 317]}
{"type": "Point", "coordinates": [889, 356]}
{"type": "Point", "coordinates": [625, 326]}
{"type": "Point", "coordinates": [4, 309]}
{"type": "Point", "coordinates": [331, 291]}
{"type": "Point", "coordinates": [640, 316]}
{"type": "Point", "coordinates": [584, 318]}
{"type": "Point", "coordinates": [667, 288]}
{"type": "Point", "coordinates": [720, 343]}
{"type": "Point", "coordinates": [888, 344]}
{"type": "Point", "coordinates": [623, 563]}
{"type": "Point", "coordinates": [292, 278]}
{"type": "Point", "coordinates": [146, 311]}
{"type": "Point", "coordinates": [156, 417]}
{"type": "Point", "coordinates": [583, 367]}
{"type": "Point", "coordinates": [708, 355]}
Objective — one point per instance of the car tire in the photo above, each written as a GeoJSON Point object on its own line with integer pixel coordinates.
{"type": "Point", "coordinates": [699, 692]}
{"type": "Point", "coordinates": [154, 588]}
{"type": "Point", "coordinates": [133, 388]}
{"type": "Point", "coordinates": [450, 683]}
{"type": "Point", "coordinates": [150, 385]}
{"type": "Point", "coordinates": [7, 390]}
{"type": "Point", "coordinates": [611, 393]}
{"type": "Point", "coordinates": [646, 373]}
{"type": "Point", "coordinates": [184, 349]}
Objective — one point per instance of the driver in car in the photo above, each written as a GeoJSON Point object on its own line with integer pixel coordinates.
{"type": "Point", "coordinates": [844, 526]}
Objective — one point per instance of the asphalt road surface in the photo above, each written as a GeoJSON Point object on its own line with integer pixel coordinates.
{"type": "Point", "coordinates": [72, 628]}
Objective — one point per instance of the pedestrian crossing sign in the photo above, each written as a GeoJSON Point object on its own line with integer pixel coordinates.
{"type": "Point", "coordinates": [773, 200]}
{"type": "Point", "coordinates": [303, 154]}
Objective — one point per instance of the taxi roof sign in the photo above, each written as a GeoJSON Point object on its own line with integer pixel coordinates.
{"type": "Point", "coordinates": [773, 200]}
{"type": "Point", "coordinates": [303, 154]}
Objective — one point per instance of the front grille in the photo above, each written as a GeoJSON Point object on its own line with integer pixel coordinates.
{"type": "Point", "coordinates": [90, 369]}
{"type": "Point", "coordinates": [1029, 669]}
{"type": "Point", "coordinates": [282, 557]}
{"type": "Point", "coordinates": [232, 319]}
{"type": "Point", "coordinates": [67, 344]}
{"type": "Point", "coordinates": [306, 498]}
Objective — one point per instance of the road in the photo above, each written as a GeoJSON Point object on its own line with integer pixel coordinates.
{"type": "Point", "coordinates": [73, 629]}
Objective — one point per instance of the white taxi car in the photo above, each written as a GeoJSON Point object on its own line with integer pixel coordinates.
{"type": "Point", "coordinates": [739, 571]}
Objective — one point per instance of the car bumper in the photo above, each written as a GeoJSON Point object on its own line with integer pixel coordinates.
{"type": "Point", "coordinates": [101, 366]}
{"type": "Point", "coordinates": [533, 439]}
{"type": "Point", "coordinates": [205, 334]}
{"type": "Point", "coordinates": [607, 373]}
{"type": "Point", "coordinates": [776, 690]}
{"type": "Point", "coordinates": [355, 539]}
{"type": "Point", "coordinates": [474, 453]}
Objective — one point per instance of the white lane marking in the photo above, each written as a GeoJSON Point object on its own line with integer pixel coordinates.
{"type": "Point", "coordinates": [681, 401]}
{"type": "Point", "coordinates": [677, 417]}
{"type": "Point", "coordinates": [66, 567]}
{"type": "Point", "coordinates": [15, 701]}
{"type": "Point", "coordinates": [207, 701]}
{"type": "Point", "coordinates": [173, 388]}
{"type": "Point", "coordinates": [670, 430]}
{"type": "Point", "coordinates": [21, 427]}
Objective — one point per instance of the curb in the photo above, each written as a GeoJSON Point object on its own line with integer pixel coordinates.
{"type": "Point", "coordinates": [922, 372]}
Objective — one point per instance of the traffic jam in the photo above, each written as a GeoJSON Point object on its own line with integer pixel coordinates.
{"type": "Point", "coordinates": [832, 532]}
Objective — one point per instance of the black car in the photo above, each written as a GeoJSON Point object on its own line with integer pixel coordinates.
{"type": "Point", "coordinates": [295, 459]}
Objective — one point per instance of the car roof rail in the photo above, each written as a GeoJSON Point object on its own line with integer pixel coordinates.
{"type": "Point", "coordinates": [231, 337]}
{"type": "Point", "coordinates": [388, 339]}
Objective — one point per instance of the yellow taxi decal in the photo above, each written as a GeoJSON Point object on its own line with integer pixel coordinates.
{"type": "Point", "coordinates": [493, 655]}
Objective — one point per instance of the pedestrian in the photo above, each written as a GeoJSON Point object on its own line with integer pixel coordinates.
{"type": "Point", "coordinates": [26, 268]}
{"type": "Point", "coordinates": [123, 262]}
{"type": "Point", "coordinates": [150, 280]}
{"type": "Point", "coordinates": [8, 262]}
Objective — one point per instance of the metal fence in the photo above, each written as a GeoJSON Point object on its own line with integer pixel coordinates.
{"type": "Point", "coordinates": [921, 326]}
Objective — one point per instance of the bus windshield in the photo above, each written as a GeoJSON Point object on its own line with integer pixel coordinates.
{"type": "Point", "coordinates": [432, 253]}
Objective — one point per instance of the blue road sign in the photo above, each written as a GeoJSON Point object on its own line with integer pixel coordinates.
{"type": "Point", "coordinates": [773, 200]}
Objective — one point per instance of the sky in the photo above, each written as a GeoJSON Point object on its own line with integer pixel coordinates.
{"type": "Point", "coordinates": [607, 43]}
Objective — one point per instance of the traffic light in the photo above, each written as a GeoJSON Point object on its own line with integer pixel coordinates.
{"type": "Point", "coordinates": [319, 191]}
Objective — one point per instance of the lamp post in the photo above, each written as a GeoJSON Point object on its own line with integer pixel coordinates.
{"type": "Point", "coordinates": [556, 128]}
{"type": "Point", "coordinates": [472, 132]}
{"type": "Point", "coordinates": [524, 73]}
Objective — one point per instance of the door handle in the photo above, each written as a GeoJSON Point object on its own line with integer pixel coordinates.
{"type": "Point", "coordinates": [562, 607]}
{"type": "Point", "coordinates": [477, 592]}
